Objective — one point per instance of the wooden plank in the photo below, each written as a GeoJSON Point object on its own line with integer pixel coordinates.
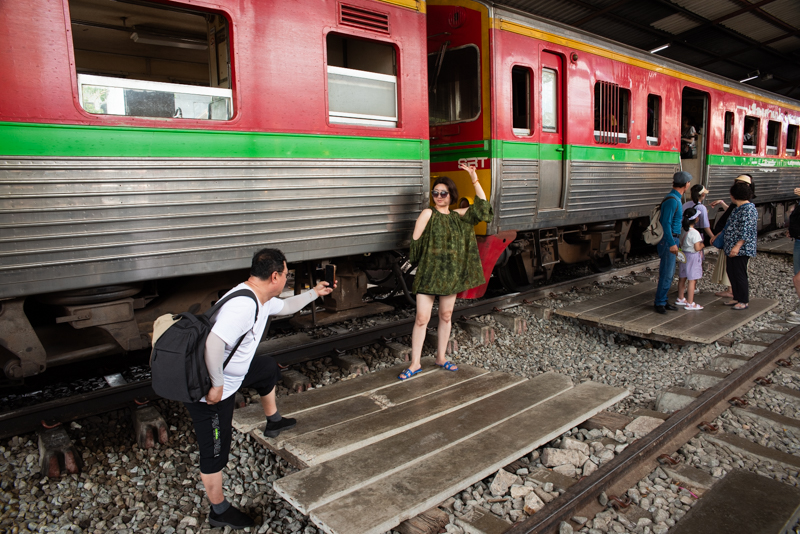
{"type": "Point", "coordinates": [783, 245]}
{"type": "Point", "coordinates": [611, 298]}
{"type": "Point", "coordinates": [326, 482]}
{"type": "Point", "coordinates": [379, 506]}
{"type": "Point", "coordinates": [350, 409]}
{"type": "Point", "coordinates": [727, 321]}
{"type": "Point", "coordinates": [250, 417]}
{"type": "Point", "coordinates": [322, 445]}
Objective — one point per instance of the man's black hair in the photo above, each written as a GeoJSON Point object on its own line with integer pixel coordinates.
{"type": "Point", "coordinates": [267, 261]}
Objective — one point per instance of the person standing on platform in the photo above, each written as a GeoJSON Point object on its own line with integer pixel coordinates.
{"type": "Point", "coordinates": [741, 233]}
{"type": "Point", "coordinates": [213, 414]}
{"type": "Point", "coordinates": [720, 275]}
{"type": "Point", "coordinates": [698, 193]}
{"type": "Point", "coordinates": [671, 215]}
{"type": "Point", "coordinates": [446, 254]}
{"type": "Point", "coordinates": [690, 270]}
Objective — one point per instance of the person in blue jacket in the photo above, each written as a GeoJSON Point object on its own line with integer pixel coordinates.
{"type": "Point", "coordinates": [671, 213]}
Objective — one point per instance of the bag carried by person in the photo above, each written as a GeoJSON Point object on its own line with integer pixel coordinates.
{"type": "Point", "coordinates": [794, 222]}
{"type": "Point", "coordinates": [719, 241]}
{"type": "Point", "coordinates": [178, 361]}
{"type": "Point", "coordinates": [654, 232]}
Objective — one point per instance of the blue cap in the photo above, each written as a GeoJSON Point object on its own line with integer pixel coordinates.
{"type": "Point", "coordinates": [681, 177]}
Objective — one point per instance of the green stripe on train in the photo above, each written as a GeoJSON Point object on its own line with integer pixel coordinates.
{"type": "Point", "coordinates": [56, 140]}
{"type": "Point", "coordinates": [749, 161]}
{"type": "Point", "coordinates": [544, 151]}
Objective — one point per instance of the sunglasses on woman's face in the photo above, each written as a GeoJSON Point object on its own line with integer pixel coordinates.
{"type": "Point", "coordinates": [439, 193]}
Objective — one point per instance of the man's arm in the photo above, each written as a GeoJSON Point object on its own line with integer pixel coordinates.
{"type": "Point", "coordinates": [215, 359]}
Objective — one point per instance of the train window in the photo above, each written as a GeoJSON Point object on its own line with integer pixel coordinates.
{"type": "Point", "coordinates": [791, 140]}
{"type": "Point", "coordinates": [549, 100]}
{"type": "Point", "coordinates": [362, 82]}
{"type": "Point", "coordinates": [726, 144]}
{"type": "Point", "coordinates": [521, 100]}
{"type": "Point", "coordinates": [144, 59]}
{"type": "Point", "coordinates": [653, 119]}
{"type": "Point", "coordinates": [611, 108]}
{"type": "Point", "coordinates": [773, 137]}
{"type": "Point", "coordinates": [750, 137]}
{"type": "Point", "coordinates": [455, 87]}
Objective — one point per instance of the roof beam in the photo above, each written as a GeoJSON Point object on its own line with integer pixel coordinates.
{"type": "Point", "coordinates": [580, 22]}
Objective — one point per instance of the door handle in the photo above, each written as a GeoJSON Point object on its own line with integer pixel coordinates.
{"type": "Point", "coordinates": [560, 149]}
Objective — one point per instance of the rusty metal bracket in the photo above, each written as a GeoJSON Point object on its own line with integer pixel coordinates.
{"type": "Point", "coordinates": [707, 427]}
{"type": "Point", "coordinates": [51, 424]}
{"type": "Point", "coordinates": [762, 381]}
{"type": "Point", "coordinates": [621, 505]}
{"type": "Point", "coordinates": [738, 401]}
{"type": "Point", "coordinates": [783, 363]}
{"type": "Point", "coordinates": [665, 459]}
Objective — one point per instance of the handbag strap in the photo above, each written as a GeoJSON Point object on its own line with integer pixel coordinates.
{"type": "Point", "coordinates": [239, 293]}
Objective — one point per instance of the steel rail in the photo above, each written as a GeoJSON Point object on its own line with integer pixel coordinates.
{"type": "Point", "coordinates": [30, 418]}
{"type": "Point", "coordinates": [585, 491]}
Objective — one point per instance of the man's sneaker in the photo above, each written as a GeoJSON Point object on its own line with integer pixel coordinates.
{"type": "Point", "coordinates": [794, 320]}
{"type": "Point", "coordinates": [275, 428]}
{"type": "Point", "coordinates": [230, 518]}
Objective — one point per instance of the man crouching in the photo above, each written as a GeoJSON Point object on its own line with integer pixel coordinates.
{"type": "Point", "coordinates": [213, 414]}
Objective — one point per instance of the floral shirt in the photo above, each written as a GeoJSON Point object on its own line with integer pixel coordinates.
{"type": "Point", "coordinates": [446, 254]}
{"type": "Point", "coordinates": [742, 225]}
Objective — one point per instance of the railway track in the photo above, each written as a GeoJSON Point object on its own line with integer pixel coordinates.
{"type": "Point", "coordinates": [29, 419]}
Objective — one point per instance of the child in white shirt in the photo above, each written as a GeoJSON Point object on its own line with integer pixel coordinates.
{"type": "Point", "coordinates": [692, 269]}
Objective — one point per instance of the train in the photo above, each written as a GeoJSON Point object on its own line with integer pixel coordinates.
{"type": "Point", "coordinates": [148, 147]}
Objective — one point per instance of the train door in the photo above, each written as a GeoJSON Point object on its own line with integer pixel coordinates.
{"type": "Point", "coordinates": [551, 154]}
{"type": "Point", "coordinates": [694, 134]}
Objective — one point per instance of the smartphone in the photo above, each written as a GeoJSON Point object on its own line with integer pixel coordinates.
{"type": "Point", "coordinates": [330, 274]}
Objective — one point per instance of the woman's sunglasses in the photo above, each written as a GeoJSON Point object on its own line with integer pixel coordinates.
{"type": "Point", "coordinates": [441, 194]}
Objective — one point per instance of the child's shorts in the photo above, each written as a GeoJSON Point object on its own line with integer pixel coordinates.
{"type": "Point", "coordinates": [693, 268]}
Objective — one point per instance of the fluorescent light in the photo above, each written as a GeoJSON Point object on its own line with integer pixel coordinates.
{"type": "Point", "coordinates": [750, 76]}
{"type": "Point", "coordinates": [659, 48]}
{"type": "Point", "coordinates": [175, 42]}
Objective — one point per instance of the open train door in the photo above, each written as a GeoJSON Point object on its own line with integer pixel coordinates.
{"type": "Point", "coordinates": [694, 134]}
{"type": "Point", "coordinates": [552, 172]}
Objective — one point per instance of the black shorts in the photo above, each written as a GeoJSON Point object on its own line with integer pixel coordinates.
{"type": "Point", "coordinates": [213, 423]}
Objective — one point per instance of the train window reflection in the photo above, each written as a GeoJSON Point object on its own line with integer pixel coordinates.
{"type": "Point", "coordinates": [611, 112]}
{"type": "Point", "coordinates": [750, 136]}
{"type": "Point", "coordinates": [521, 100]}
{"type": "Point", "coordinates": [362, 82]}
{"type": "Point", "coordinates": [653, 119]}
{"type": "Point", "coordinates": [726, 144]}
{"type": "Point", "coordinates": [455, 90]}
{"type": "Point", "coordinates": [773, 137]}
{"type": "Point", "coordinates": [791, 140]}
{"type": "Point", "coordinates": [147, 60]}
{"type": "Point", "coordinates": [549, 100]}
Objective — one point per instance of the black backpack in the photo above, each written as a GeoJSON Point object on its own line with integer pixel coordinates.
{"type": "Point", "coordinates": [794, 222]}
{"type": "Point", "coordinates": [177, 363]}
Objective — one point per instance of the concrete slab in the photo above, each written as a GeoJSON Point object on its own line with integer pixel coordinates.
{"type": "Point", "coordinates": [650, 413]}
{"type": "Point", "coordinates": [782, 245]}
{"type": "Point", "coordinates": [754, 450]}
{"type": "Point", "coordinates": [323, 483]}
{"type": "Point", "coordinates": [377, 507]}
{"type": "Point", "coordinates": [516, 324]}
{"type": "Point", "coordinates": [701, 379]}
{"type": "Point", "coordinates": [767, 417]}
{"type": "Point", "coordinates": [743, 502]}
{"type": "Point", "coordinates": [610, 420]}
{"type": "Point", "coordinates": [334, 440]}
{"type": "Point", "coordinates": [793, 370]}
{"type": "Point", "coordinates": [559, 481]}
{"type": "Point", "coordinates": [690, 477]}
{"type": "Point", "coordinates": [675, 399]}
{"type": "Point", "coordinates": [792, 395]}
{"type": "Point", "coordinates": [480, 521]}
{"type": "Point", "coordinates": [750, 347]}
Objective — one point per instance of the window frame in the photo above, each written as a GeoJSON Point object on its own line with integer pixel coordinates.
{"type": "Point", "coordinates": [772, 150]}
{"type": "Point", "coordinates": [614, 138]}
{"type": "Point", "coordinates": [654, 140]}
{"type": "Point", "coordinates": [479, 85]}
{"type": "Point", "coordinates": [792, 129]}
{"type": "Point", "coordinates": [756, 132]}
{"type": "Point", "coordinates": [727, 130]}
{"type": "Point", "coordinates": [529, 131]}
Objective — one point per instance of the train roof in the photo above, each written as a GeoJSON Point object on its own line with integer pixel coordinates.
{"type": "Point", "coordinates": [592, 43]}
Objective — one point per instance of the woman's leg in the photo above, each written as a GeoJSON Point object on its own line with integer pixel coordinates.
{"type": "Point", "coordinates": [690, 291]}
{"type": "Point", "coordinates": [446, 305]}
{"type": "Point", "coordinates": [424, 307]}
{"type": "Point", "coordinates": [737, 272]}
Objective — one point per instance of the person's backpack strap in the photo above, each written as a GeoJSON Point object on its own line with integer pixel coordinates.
{"type": "Point", "coordinates": [240, 293]}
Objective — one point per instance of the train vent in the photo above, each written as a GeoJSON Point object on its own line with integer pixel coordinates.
{"type": "Point", "coordinates": [366, 19]}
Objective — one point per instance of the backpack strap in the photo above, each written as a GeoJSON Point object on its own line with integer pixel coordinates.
{"type": "Point", "coordinates": [215, 308]}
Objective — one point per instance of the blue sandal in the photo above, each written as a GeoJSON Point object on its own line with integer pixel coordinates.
{"type": "Point", "coordinates": [448, 366]}
{"type": "Point", "coordinates": [408, 373]}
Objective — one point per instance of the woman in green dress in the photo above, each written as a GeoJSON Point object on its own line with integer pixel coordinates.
{"type": "Point", "coordinates": [446, 255]}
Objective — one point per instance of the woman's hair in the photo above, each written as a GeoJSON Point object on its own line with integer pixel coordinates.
{"type": "Point", "coordinates": [696, 193]}
{"type": "Point", "coordinates": [688, 214]}
{"type": "Point", "coordinates": [741, 191]}
{"type": "Point", "coordinates": [451, 186]}
{"type": "Point", "coordinates": [748, 181]}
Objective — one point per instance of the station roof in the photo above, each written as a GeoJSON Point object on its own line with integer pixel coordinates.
{"type": "Point", "coordinates": [737, 39]}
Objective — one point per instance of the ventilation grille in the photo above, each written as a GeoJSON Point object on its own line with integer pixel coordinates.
{"type": "Point", "coordinates": [358, 17]}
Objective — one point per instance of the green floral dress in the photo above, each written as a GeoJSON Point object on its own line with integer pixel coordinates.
{"type": "Point", "coordinates": [446, 254]}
